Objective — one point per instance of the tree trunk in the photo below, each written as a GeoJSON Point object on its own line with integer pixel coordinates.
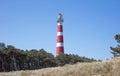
{"type": "Point", "coordinates": [14, 63]}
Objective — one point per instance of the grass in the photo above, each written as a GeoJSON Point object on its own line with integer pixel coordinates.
{"type": "Point", "coordinates": [103, 68]}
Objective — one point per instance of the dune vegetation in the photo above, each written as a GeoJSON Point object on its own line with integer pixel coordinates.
{"type": "Point", "coordinates": [103, 68]}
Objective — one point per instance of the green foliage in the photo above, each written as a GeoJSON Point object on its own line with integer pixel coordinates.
{"type": "Point", "coordinates": [12, 59]}
{"type": "Point", "coordinates": [116, 50]}
{"type": "Point", "coordinates": [63, 59]}
{"type": "Point", "coordinates": [117, 38]}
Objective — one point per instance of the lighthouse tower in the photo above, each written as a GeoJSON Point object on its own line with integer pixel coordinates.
{"type": "Point", "coordinates": [59, 45]}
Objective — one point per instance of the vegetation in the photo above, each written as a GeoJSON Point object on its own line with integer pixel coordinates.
{"type": "Point", "coordinates": [116, 50]}
{"type": "Point", "coordinates": [13, 59]}
{"type": "Point", "coordinates": [104, 68]}
{"type": "Point", "coordinates": [63, 59]}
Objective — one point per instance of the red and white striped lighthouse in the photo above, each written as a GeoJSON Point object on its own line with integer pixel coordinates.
{"type": "Point", "coordinates": [59, 45]}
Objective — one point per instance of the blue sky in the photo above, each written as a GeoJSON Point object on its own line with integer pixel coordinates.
{"type": "Point", "coordinates": [89, 25]}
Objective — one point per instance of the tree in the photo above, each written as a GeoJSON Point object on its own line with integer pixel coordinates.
{"type": "Point", "coordinates": [12, 53]}
{"type": "Point", "coordinates": [63, 59]}
{"type": "Point", "coordinates": [12, 58]}
{"type": "Point", "coordinates": [46, 59]}
{"type": "Point", "coordinates": [2, 67]}
{"type": "Point", "coordinates": [2, 46]}
{"type": "Point", "coordinates": [116, 50]}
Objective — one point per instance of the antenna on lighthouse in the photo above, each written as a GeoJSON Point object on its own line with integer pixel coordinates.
{"type": "Point", "coordinates": [59, 44]}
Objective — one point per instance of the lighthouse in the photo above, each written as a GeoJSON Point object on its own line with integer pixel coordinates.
{"type": "Point", "coordinates": [60, 41]}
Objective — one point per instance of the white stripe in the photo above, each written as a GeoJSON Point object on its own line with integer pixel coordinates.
{"type": "Point", "coordinates": [59, 44]}
{"type": "Point", "coordinates": [59, 33]}
{"type": "Point", "coordinates": [59, 23]}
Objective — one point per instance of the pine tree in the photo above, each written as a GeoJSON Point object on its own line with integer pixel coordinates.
{"type": "Point", "coordinates": [116, 50]}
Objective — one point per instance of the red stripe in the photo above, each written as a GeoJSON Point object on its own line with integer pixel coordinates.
{"type": "Point", "coordinates": [59, 38]}
{"type": "Point", "coordinates": [59, 50]}
{"type": "Point", "coordinates": [60, 28]}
